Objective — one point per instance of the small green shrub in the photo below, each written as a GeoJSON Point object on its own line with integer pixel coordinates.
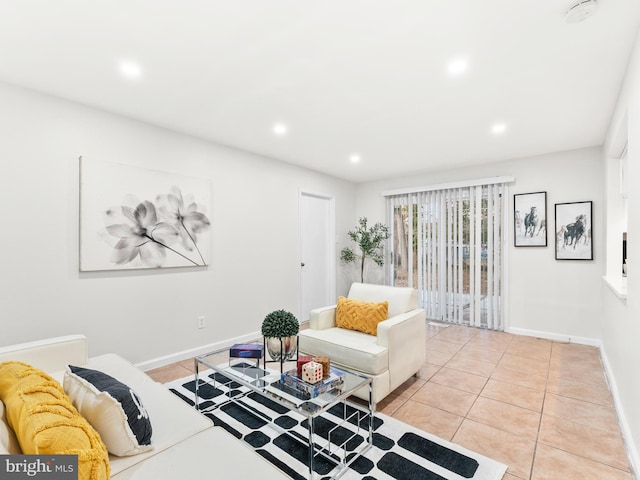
{"type": "Point", "coordinates": [280, 323]}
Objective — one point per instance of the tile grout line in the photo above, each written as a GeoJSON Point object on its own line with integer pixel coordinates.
{"type": "Point", "coordinates": [466, 416]}
{"type": "Point", "coordinates": [544, 398]}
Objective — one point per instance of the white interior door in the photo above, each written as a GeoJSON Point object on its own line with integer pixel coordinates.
{"type": "Point", "coordinates": [317, 252]}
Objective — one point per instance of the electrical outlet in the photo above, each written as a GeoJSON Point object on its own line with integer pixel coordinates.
{"type": "Point", "coordinates": [201, 322]}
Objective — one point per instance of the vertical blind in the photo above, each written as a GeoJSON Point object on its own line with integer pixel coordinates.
{"type": "Point", "coordinates": [449, 244]}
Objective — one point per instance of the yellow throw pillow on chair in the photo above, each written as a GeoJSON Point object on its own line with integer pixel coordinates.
{"type": "Point", "coordinates": [361, 316]}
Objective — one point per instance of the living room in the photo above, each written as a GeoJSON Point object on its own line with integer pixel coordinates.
{"type": "Point", "coordinates": [150, 316]}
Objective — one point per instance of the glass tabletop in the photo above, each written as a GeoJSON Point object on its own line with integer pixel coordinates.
{"type": "Point", "coordinates": [284, 388]}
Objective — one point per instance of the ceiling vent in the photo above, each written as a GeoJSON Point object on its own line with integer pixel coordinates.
{"type": "Point", "coordinates": [581, 10]}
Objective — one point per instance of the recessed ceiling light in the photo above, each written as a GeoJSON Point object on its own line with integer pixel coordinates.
{"type": "Point", "coordinates": [355, 158]}
{"type": "Point", "coordinates": [457, 66]}
{"type": "Point", "coordinates": [280, 129]}
{"type": "Point", "coordinates": [498, 128]}
{"type": "Point", "coordinates": [130, 69]}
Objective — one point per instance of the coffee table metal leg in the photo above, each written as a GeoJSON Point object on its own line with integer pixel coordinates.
{"type": "Point", "coordinates": [371, 409]}
{"type": "Point", "coordinates": [195, 369]}
{"type": "Point", "coordinates": [311, 448]}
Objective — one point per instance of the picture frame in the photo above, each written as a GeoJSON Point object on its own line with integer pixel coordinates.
{"type": "Point", "coordinates": [573, 227]}
{"type": "Point", "coordinates": [138, 218]}
{"type": "Point", "coordinates": [530, 219]}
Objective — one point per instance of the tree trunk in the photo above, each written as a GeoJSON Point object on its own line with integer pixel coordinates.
{"type": "Point", "coordinates": [362, 270]}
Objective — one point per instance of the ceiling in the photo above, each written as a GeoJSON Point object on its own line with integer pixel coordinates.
{"type": "Point", "coordinates": [366, 77]}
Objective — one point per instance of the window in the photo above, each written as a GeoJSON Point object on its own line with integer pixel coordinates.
{"type": "Point", "coordinates": [617, 247]}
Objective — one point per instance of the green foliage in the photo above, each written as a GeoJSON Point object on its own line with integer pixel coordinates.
{"type": "Point", "coordinates": [347, 255]}
{"type": "Point", "coordinates": [370, 241]}
{"type": "Point", "coordinates": [280, 323]}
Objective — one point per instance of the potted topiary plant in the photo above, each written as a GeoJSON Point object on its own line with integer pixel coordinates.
{"type": "Point", "coordinates": [280, 329]}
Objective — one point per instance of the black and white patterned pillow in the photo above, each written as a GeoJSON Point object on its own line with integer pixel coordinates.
{"type": "Point", "coordinates": [112, 408]}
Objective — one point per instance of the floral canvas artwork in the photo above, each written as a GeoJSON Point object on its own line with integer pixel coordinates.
{"type": "Point", "coordinates": [133, 217]}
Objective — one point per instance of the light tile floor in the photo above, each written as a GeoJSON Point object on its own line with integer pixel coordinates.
{"type": "Point", "coordinates": [543, 408]}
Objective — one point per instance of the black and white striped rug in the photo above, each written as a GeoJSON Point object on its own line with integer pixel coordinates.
{"type": "Point", "coordinates": [399, 451]}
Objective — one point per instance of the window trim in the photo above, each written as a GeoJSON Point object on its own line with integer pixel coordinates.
{"type": "Point", "coordinates": [447, 186]}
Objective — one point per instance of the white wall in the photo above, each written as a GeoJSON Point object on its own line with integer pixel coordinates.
{"type": "Point", "coordinates": [142, 314]}
{"type": "Point", "coordinates": [621, 334]}
{"type": "Point", "coordinates": [545, 295]}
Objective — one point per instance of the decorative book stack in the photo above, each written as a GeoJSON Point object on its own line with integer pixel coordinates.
{"type": "Point", "coordinates": [306, 390]}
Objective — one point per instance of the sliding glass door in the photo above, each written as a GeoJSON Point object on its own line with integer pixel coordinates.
{"type": "Point", "coordinates": [449, 245]}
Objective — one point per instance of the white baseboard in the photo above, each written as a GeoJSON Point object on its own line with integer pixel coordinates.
{"type": "Point", "coordinates": [632, 451]}
{"type": "Point", "coordinates": [558, 337]}
{"type": "Point", "coordinates": [194, 352]}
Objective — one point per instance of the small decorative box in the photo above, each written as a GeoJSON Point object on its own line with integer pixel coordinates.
{"type": "Point", "coordinates": [302, 359]}
{"type": "Point", "coordinates": [246, 350]}
{"type": "Point", "coordinates": [312, 372]}
{"type": "Point", "coordinates": [326, 365]}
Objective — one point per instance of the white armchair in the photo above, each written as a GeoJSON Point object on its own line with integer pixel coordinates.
{"type": "Point", "coordinates": [391, 357]}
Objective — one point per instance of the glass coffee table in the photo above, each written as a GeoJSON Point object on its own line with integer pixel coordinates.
{"type": "Point", "coordinates": [235, 378]}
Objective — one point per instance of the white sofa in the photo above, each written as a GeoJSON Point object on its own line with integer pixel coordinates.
{"type": "Point", "coordinates": [391, 357]}
{"type": "Point", "coordinates": [186, 444]}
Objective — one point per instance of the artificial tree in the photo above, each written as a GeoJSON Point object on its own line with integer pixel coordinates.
{"type": "Point", "coordinates": [370, 241]}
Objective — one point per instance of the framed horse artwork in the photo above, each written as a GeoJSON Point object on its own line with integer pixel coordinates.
{"type": "Point", "coordinates": [530, 219]}
{"type": "Point", "coordinates": [573, 231]}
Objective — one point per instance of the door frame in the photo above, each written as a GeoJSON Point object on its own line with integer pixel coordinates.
{"type": "Point", "coordinates": [331, 234]}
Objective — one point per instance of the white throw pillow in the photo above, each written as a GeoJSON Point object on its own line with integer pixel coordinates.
{"type": "Point", "coordinates": [112, 408]}
{"type": "Point", "coordinates": [8, 441]}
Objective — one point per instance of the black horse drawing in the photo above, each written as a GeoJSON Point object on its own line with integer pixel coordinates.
{"type": "Point", "coordinates": [531, 221]}
{"type": "Point", "coordinates": [574, 232]}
